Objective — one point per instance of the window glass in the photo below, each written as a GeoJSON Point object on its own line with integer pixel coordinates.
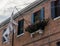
{"type": "Point", "coordinates": [20, 27]}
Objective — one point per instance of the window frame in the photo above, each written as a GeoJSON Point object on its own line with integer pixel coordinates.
{"type": "Point", "coordinates": [18, 35]}
{"type": "Point", "coordinates": [41, 15]}
{"type": "Point", "coordinates": [56, 15]}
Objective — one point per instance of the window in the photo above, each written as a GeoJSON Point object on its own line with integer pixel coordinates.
{"type": "Point", "coordinates": [20, 27]}
{"type": "Point", "coordinates": [58, 43]}
{"type": "Point", "coordinates": [3, 38]}
{"type": "Point", "coordinates": [55, 8]}
{"type": "Point", "coordinates": [38, 16]}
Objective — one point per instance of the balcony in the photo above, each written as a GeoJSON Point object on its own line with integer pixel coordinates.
{"type": "Point", "coordinates": [39, 25]}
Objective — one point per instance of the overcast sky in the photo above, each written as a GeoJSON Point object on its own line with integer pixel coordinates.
{"type": "Point", "coordinates": [7, 6]}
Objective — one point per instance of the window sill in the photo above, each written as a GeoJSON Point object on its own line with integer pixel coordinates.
{"type": "Point", "coordinates": [20, 35]}
{"type": "Point", "coordinates": [57, 18]}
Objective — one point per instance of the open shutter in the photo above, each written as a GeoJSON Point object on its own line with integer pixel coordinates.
{"type": "Point", "coordinates": [53, 9]}
{"type": "Point", "coordinates": [32, 19]}
{"type": "Point", "coordinates": [42, 14]}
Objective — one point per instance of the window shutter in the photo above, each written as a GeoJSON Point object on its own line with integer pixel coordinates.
{"type": "Point", "coordinates": [42, 14]}
{"type": "Point", "coordinates": [32, 19]}
{"type": "Point", "coordinates": [53, 9]}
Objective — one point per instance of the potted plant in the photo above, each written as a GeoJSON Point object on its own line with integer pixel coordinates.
{"type": "Point", "coordinates": [32, 28]}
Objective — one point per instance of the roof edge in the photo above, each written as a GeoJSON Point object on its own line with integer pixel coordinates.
{"type": "Point", "coordinates": [32, 5]}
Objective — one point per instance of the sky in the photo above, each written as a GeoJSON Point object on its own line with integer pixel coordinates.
{"type": "Point", "coordinates": [7, 6]}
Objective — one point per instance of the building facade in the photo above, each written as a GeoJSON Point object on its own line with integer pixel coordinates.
{"type": "Point", "coordinates": [38, 25]}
